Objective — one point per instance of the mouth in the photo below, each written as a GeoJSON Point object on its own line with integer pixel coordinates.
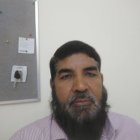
{"type": "Point", "coordinates": [82, 102]}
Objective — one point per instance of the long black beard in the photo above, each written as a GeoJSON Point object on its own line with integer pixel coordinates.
{"type": "Point", "coordinates": [87, 129]}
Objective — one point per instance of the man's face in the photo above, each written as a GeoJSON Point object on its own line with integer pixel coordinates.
{"type": "Point", "coordinates": [78, 86]}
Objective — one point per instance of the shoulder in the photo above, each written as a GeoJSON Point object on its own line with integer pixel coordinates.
{"type": "Point", "coordinates": [119, 119]}
{"type": "Point", "coordinates": [34, 131]}
{"type": "Point", "coordinates": [124, 125]}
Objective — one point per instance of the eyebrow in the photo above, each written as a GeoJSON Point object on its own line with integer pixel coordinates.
{"type": "Point", "coordinates": [65, 70]}
{"type": "Point", "coordinates": [91, 68]}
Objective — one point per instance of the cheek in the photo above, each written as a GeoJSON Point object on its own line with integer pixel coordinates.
{"type": "Point", "coordinates": [96, 88]}
{"type": "Point", "coordinates": [98, 92]}
{"type": "Point", "coordinates": [62, 92]}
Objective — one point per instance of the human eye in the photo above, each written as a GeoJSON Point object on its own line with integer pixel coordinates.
{"type": "Point", "coordinates": [90, 74]}
{"type": "Point", "coordinates": [65, 76]}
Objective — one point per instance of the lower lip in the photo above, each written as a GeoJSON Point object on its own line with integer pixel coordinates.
{"type": "Point", "coordinates": [81, 102]}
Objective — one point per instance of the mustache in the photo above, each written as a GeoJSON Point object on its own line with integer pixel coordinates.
{"type": "Point", "coordinates": [82, 95]}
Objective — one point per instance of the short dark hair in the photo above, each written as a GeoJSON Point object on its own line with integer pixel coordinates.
{"type": "Point", "coordinates": [69, 48]}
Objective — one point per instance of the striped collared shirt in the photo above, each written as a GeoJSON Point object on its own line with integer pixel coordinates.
{"type": "Point", "coordinates": [118, 127]}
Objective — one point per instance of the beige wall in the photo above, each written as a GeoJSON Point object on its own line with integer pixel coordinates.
{"type": "Point", "coordinates": [112, 27]}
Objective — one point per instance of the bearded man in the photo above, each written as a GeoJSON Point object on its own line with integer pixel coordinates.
{"type": "Point", "coordinates": [79, 101]}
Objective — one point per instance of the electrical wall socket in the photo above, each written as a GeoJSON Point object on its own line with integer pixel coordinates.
{"type": "Point", "coordinates": [23, 72]}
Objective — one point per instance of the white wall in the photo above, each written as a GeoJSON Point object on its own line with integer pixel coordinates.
{"type": "Point", "coordinates": [112, 27]}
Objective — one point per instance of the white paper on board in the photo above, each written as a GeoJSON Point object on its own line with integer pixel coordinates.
{"type": "Point", "coordinates": [26, 45]}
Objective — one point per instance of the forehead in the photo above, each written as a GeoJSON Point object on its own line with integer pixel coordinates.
{"type": "Point", "coordinates": [74, 61]}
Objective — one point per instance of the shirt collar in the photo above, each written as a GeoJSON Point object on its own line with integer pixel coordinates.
{"type": "Point", "coordinates": [56, 132]}
{"type": "Point", "coordinates": [110, 129]}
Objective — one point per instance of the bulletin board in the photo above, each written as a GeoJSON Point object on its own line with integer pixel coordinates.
{"type": "Point", "coordinates": [19, 50]}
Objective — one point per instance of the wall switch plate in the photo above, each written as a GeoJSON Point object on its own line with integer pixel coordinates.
{"type": "Point", "coordinates": [22, 71]}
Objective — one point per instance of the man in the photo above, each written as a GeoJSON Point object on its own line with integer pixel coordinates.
{"type": "Point", "coordinates": [79, 101]}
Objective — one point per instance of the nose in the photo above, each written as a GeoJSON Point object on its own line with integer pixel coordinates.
{"type": "Point", "coordinates": [79, 85]}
